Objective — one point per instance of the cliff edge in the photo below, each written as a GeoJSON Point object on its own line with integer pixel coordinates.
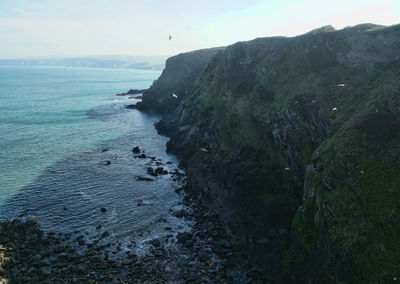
{"type": "Point", "coordinates": [295, 143]}
{"type": "Point", "coordinates": [176, 80]}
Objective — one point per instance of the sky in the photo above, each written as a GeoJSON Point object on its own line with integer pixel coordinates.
{"type": "Point", "coordinates": [43, 28]}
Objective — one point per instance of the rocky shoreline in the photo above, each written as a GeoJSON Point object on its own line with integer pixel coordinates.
{"type": "Point", "coordinates": [202, 255]}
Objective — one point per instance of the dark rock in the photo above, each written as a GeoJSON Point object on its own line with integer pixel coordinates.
{"type": "Point", "coordinates": [160, 171]}
{"type": "Point", "coordinates": [45, 270]}
{"type": "Point", "coordinates": [155, 242]}
{"type": "Point", "coordinates": [264, 241]}
{"type": "Point", "coordinates": [183, 236]}
{"type": "Point", "coordinates": [203, 254]}
{"type": "Point", "coordinates": [178, 190]}
{"type": "Point", "coordinates": [136, 149]}
{"type": "Point", "coordinates": [80, 240]}
{"type": "Point", "coordinates": [142, 156]}
{"type": "Point", "coordinates": [82, 268]}
{"type": "Point", "coordinates": [151, 172]}
{"type": "Point", "coordinates": [224, 243]}
{"type": "Point", "coordinates": [105, 234]}
{"type": "Point", "coordinates": [131, 106]}
{"type": "Point", "coordinates": [144, 179]}
{"type": "Point", "coordinates": [135, 91]}
{"type": "Point", "coordinates": [189, 243]}
{"type": "Point", "coordinates": [283, 232]}
{"type": "Point", "coordinates": [180, 213]}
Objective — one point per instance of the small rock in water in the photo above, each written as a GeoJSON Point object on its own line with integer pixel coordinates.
{"type": "Point", "coordinates": [160, 171]}
{"type": "Point", "coordinates": [136, 149]}
{"type": "Point", "coordinates": [155, 242]}
{"type": "Point", "coordinates": [142, 156]}
{"type": "Point", "coordinates": [188, 243]}
{"type": "Point", "coordinates": [105, 234]}
{"type": "Point", "coordinates": [151, 172]}
{"type": "Point", "coordinates": [103, 209]}
{"type": "Point", "coordinates": [144, 179]}
{"type": "Point", "coordinates": [180, 213]}
{"type": "Point", "coordinates": [80, 240]}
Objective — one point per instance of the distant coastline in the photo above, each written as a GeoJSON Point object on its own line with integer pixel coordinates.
{"type": "Point", "coordinates": [156, 63]}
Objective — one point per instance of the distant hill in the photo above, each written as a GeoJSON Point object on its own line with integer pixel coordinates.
{"type": "Point", "coordinates": [109, 61]}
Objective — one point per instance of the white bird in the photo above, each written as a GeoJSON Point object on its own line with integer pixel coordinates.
{"type": "Point", "coordinates": [174, 96]}
{"type": "Point", "coordinates": [341, 85]}
{"type": "Point", "coordinates": [334, 109]}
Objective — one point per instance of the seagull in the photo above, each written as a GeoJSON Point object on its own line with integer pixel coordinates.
{"type": "Point", "coordinates": [175, 96]}
{"type": "Point", "coordinates": [334, 109]}
{"type": "Point", "coordinates": [341, 85]}
{"type": "Point", "coordinates": [170, 37]}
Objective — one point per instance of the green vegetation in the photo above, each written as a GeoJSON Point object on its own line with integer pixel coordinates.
{"type": "Point", "coordinates": [302, 135]}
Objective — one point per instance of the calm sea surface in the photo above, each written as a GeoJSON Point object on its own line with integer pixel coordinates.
{"type": "Point", "coordinates": [58, 129]}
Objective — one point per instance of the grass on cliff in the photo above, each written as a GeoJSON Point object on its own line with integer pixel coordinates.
{"type": "Point", "coordinates": [359, 195]}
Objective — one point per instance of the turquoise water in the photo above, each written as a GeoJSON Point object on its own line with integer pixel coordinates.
{"type": "Point", "coordinates": [44, 116]}
{"type": "Point", "coordinates": [66, 153]}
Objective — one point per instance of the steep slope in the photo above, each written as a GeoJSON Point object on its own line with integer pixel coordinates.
{"type": "Point", "coordinates": [295, 143]}
{"type": "Point", "coordinates": [177, 78]}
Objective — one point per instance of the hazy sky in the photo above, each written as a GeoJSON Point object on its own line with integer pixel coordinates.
{"type": "Point", "coordinates": [133, 27]}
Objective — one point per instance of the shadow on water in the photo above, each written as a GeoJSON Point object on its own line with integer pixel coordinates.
{"type": "Point", "coordinates": [100, 187]}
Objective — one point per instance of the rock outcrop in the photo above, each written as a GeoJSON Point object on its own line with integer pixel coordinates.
{"type": "Point", "coordinates": [176, 80]}
{"type": "Point", "coordinates": [294, 143]}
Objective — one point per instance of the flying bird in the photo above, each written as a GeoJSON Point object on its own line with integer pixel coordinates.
{"type": "Point", "coordinates": [170, 37]}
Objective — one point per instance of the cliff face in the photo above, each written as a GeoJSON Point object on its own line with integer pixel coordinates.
{"type": "Point", "coordinates": [178, 77]}
{"type": "Point", "coordinates": [295, 143]}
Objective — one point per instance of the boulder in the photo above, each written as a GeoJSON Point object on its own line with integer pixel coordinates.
{"type": "Point", "coordinates": [136, 149]}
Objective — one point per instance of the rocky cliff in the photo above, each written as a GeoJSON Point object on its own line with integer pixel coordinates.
{"type": "Point", "coordinates": [176, 80]}
{"type": "Point", "coordinates": [295, 143]}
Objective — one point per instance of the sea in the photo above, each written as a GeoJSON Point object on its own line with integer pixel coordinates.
{"type": "Point", "coordinates": [66, 144]}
